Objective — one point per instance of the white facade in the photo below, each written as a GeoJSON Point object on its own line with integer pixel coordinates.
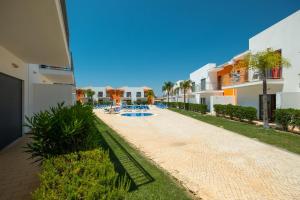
{"type": "Point", "coordinates": [97, 91]}
{"type": "Point", "coordinates": [136, 93]}
{"type": "Point", "coordinates": [129, 93]}
{"type": "Point", "coordinates": [205, 84]}
{"type": "Point", "coordinates": [284, 36]}
{"type": "Point", "coordinates": [283, 90]}
{"type": "Point", "coordinates": [25, 39]}
{"type": "Point", "coordinates": [33, 98]}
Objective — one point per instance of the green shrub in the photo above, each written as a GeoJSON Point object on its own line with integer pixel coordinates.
{"type": "Point", "coordinates": [235, 111]}
{"type": "Point", "coordinates": [81, 175]}
{"type": "Point", "coordinates": [249, 113]}
{"type": "Point", "coordinates": [220, 109]}
{"type": "Point", "coordinates": [202, 108]}
{"type": "Point", "coordinates": [284, 117]}
{"type": "Point", "coordinates": [171, 104]}
{"type": "Point", "coordinates": [231, 110]}
{"type": "Point", "coordinates": [180, 105]}
{"type": "Point", "coordinates": [186, 106]}
{"type": "Point", "coordinates": [296, 119]}
{"type": "Point", "coordinates": [61, 130]}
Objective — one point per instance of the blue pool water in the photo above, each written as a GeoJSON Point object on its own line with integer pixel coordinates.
{"type": "Point", "coordinates": [137, 114]}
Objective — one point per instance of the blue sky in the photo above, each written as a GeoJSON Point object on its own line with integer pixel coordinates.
{"type": "Point", "coordinates": [147, 42]}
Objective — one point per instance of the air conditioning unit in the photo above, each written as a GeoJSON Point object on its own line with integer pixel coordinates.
{"type": "Point", "coordinates": [255, 76]}
{"type": "Point", "coordinates": [235, 77]}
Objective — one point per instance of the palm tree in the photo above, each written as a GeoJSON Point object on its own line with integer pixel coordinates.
{"type": "Point", "coordinates": [167, 87]}
{"type": "Point", "coordinates": [262, 62]}
{"type": "Point", "coordinates": [89, 93]}
{"type": "Point", "coordinates": [150, 96]}
{"type": "Point", "coordinates": [185, 85]}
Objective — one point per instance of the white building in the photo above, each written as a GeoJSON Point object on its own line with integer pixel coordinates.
{"type": "Point", "coordinates": [283, 36]}
{"type": "Point", "coordinates": [33, 39]}
{"type": "Point", "coordinates": [118, 95]}
{"type": "Point", "coordinates": [225, 84]}
{"type": "Point", "coordinates": [205, 84]}
{"type": "Point", "coordinates": [176, 94]}
{"type": "Point", "coordinates": [283, 83]}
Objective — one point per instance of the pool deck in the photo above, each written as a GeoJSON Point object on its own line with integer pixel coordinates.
{"type": "Point", "coordinates": [212, 162]}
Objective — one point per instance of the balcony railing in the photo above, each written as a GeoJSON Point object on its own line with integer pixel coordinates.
{"type": "Point", "coordinates": [55, 68]}
{"type": "Point", "coordinates": [204, 87]}
{"type": "Point", "coordinates": [275, 73]}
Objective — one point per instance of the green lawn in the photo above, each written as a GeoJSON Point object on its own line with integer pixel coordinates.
{"type": "Point", "coordinates": [150, 181]}
{"type": "Point", "coordinates": [285, 140]}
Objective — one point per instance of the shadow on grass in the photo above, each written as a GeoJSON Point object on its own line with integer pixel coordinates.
{"type": "Point", "coordinates": [124, 163]}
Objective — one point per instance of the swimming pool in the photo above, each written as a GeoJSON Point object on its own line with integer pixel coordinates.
{"type": "Point", "coordinates": [137, 114]}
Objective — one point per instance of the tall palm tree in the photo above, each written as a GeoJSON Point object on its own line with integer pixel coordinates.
{"type": "Point", "coordinates": [90, 93]}
{"type": "Point", "coordinates": [167, 87]}
{"type": "Point", "coordinates": [185, 85]}
{"type": "Point", "coordinates": [150, 96]}
{"type": "Point", "coordinates": [262, 62]}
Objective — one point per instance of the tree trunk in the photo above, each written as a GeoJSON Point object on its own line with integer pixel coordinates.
{"type": "Point", "coordinates": [265, 102]}
{"type": "Point", "coordinates": [184, 99]}
{"type": "Point", "coordinates": [168, 97]}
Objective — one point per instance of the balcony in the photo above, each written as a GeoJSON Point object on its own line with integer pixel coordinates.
{"type": "Point", "coordinates": [36, 31]}
{"type": "Point", "coordinates": [60, 75]}
{"type": "Point", "coordinates": [275, 73]}
{"type": "Point", "coordinates": [274, 76]}
{"type": "Point", "coordinates": [200, 88]}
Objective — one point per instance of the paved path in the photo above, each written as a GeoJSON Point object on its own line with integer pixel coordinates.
{"type": "Point", "coordinates": [18, 177]}
{"type": "Point", "coordinates": [214, 163]}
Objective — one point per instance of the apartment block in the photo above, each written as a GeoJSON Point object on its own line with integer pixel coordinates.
{"type": "Point", "coordinates": [234, 83]}
{"type": "Point", "coordinates": [283, 83]}
{"type": "Point", "coordinates": [119, 95]}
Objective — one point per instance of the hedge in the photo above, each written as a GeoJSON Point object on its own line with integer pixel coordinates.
{"type": "Point", "coordinates": [202, 108]}
{"type": "Point", "coordinates": [287, 117]}
{"type": "Point", "coordinates": [81, 175]}
{"type": "Point", "coordinates": [235, 111]}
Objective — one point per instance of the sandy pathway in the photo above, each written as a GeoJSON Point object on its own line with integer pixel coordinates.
{"type": "Point", "coordinates": [212, 162]}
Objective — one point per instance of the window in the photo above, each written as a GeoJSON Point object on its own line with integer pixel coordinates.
{"type": "Point", "coordinates": [138, 94]}
{"type": "Point", "coordinates": [203, 84]}
{"type": "Point", "coordinates": [121, 94]}
{"type": "Point", "coordinates": [202, 100]}
{"type": "Point", "coordinates": [100, 94]}
{"type": "Point", "coordinates": [145, 94]}
{"type": "Point", "coordinates": [193, 87]}
{"type": "Point", "coordinates": [128, 94]}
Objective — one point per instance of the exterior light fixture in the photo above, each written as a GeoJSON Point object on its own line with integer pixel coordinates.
{"type": "Point", "coordinates": [15, 65]}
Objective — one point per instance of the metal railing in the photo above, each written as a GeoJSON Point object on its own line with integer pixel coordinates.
{"type": "Point", "coordinates": [55, 68]}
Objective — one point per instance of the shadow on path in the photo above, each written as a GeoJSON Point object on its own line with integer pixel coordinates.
{"type": "Point", "coordinates": [124, 162]}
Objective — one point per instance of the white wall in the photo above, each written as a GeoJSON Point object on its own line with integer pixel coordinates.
{"type": "Point", "coordinates": [224, 100]}
{"type": "Point", "coordinates": [288, 100]}
{"type": "Point", "coordinates": [133, 91]}
{"type": "Point", "coordinates": [249, 96]}
{"type": "Point", "coordinates": [29, 74]}
{"type": "Point", "coordinates": [48, 95]}
{"type": "Point", "coordinates": [284, 35]}
{"type": "Point", "coordinates": [204, 72]}
{"type": "Point", "coordinates": [96, 90]}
